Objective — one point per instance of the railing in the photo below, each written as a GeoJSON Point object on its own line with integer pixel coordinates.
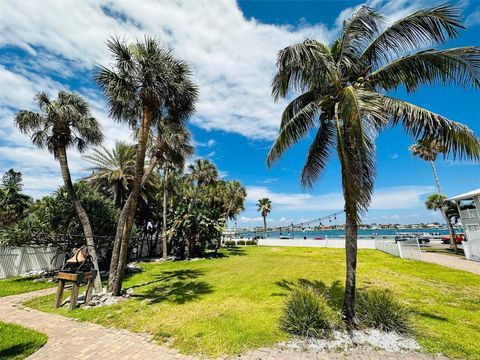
{"type": "Point", "coordinates": [16, 261]}
{"type": "Point", "coordinates": [469, 214]}
{"type": "Point", "coordinates": [327, 243]}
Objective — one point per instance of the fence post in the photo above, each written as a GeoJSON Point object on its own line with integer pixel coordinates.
{"type": "Point", "coordinates": [399, 245]}
{"type": "Point", "coordinates": [19, 261]}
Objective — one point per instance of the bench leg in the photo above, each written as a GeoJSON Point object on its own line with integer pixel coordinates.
{"type": "Point", "coordinates": [74, 296]}
{"type": "Point", "coordinates": [60, 288]}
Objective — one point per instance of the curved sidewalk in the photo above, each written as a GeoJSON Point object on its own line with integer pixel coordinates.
{"type": "Point", "coordinates": [70, 339]}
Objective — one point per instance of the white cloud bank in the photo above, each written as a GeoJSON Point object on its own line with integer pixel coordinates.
{"type": "Point", "coordinates": [392, 198]}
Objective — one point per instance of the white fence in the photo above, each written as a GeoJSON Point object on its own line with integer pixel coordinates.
{"type": "Point", "coordinates": [327, 243]}
{"type": "Point", "coordinates": [15, 261]}
{"type": "Point", "coordinates": [408, 249]}
{"type": "Point", "coordinates": [472, 249]}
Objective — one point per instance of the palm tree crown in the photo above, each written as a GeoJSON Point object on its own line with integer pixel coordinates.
{"type": "Point", "coordinates": [343, 92]}
{"type": "Point", "coordinates": [427, 151]}
{"type": "Point", "coordinates": [264, 206]}
{"type": "Point", "coordinates": [203, 172]}
{"type": "Point", "coordinates": [62, 123]}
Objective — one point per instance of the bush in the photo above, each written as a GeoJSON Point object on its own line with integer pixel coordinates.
{"type": "Point", "coordinates": [308, 313]}
{"type": "Point", "coordinates": [241, 242]}
{"type": "Point", "coordinates": [229, 243]}
{"type": "Point", "coordinates": [379, 309]}
{"type": "Point", "coordinates": [250, 242]}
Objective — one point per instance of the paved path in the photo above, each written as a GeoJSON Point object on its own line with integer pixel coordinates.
{"type": "Point", "coordinates": [452, 261]}
{"type": "Point", "coordinates": [69, 339]}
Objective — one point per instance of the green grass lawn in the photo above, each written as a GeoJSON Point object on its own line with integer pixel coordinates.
{"type": "Point", "coordinates": [17, 342]}
{"type": "Point", "coordinates": [21, 284]}
{"type": "Point", "coordinates": [230, 304]}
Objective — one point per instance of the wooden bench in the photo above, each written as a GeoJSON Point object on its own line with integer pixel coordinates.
{"type": "Point", "coordinates": [77, 279]}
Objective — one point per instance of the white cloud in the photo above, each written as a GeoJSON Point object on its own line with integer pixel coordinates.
{"type": "Point", "coordinates": [394, 156]}
{"type": "Point", "coordinates": [404, 197]}
{"type": "Point", "coordinates": [474, 18]}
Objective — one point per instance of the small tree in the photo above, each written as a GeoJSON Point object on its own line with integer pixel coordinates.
{"type": "Point", "coordinates": [264, 206]}
{"type": "Point", "coordinates": [439, 202]}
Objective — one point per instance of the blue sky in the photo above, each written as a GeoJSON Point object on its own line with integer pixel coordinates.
{"type": "Point", "coordinates": [53, 45]}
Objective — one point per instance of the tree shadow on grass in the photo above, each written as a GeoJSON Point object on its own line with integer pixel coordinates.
{"type": "Point", "coordinates": [335, 291]}
{"type": "Point", "coordinates": [178, 286]}
{"type": "Point", "coordinates": [226, 252]}
{"type": "Point", "coordinates": [19, 350]}
{"type": "Point", "coordinates": [430, 316]}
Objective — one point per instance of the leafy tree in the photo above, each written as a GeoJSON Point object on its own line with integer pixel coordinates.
{"type": "Point", "coordinates": [143, 87]}
{"type": "Point", "coordinates": [61, 124]}
{"type": "Point", "coordinates": [13, 204]}
{"type": "Point", "coordinates": [429, 151]}
{"type": "Point", "coordinates": [344, 97]}
{"type": "Point", "coordinates": [264, 206]}
{"type": "Point", "coordinates": [440, 202]}
{"type": "Point", "coordinates": [52, 220]}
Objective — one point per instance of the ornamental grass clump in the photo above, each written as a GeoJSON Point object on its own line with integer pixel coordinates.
{"type": "Point", "coordinates": [379, 309]}
{"type": "Point", "coordinates": [308, 313]}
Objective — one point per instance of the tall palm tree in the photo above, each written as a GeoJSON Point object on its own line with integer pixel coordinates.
{"type": "Point", "coordinates": [234, 195]}
{"type": "Point", "coordinates": [440, 202]}
{"type": "Point", "coordinates": [344, 97]}
{"type": "Point", "coordinates": [429, 151]}
{"type": "Point", "coordinates": [113, 170]}
{"type": "Point", "coordinates": [143, 84]}
{"type": "Point", "coordinates": [61, 124]}
{"type": "Point", "coordinates": [173, 147]}
{"type": "Point", "coordinates": [264, 205]}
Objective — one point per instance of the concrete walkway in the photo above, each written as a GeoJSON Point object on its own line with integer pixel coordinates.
{"type": "Point", "coordinates": [452, 261]}
{"type": "Point", "coordinates": [69, 339]}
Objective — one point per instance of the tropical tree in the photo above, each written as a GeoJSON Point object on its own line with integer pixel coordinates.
{"type": "Point", "coordinates": [429, 151]}
{"type": "Point", "coordinates": [113, 170]}
{"type": "Point", "coordinates": [173, 146]}
{"type": "Point", "coordinates": [440, 202]}
{"type": "Point", "coordinates": [264, 206]}
{"type": "Point", "coordinates": [143, 84]}
{"type": "Point", "coordinates": [61, 124]}
{"type": "Point", "coordinates": [234, 194]}
{"type": "Point", "coordinates": [344, 97]}
{"type": "Point", "coordinates": [203, 172]}
{"type": "Point", "coordinates": [13, 203]}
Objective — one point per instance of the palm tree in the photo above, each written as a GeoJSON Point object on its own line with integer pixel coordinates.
{"type": "Point", "coordinates": [173, 147]}
{"type": "Point", "coordinates": [63, 123]}
{"type": "Point", "coordinates": [203, 172]}
{"type": "Point", "coordinates": [264, 205]}
{"type": "Point", "coordinates": [142, 86]}
{"type": "Point", "coordinates": [429, 151]}
{"type": "Point", "coordinates": [344, 98]}
{"type": "Point", "coordinates": [234, 196]}
{"type": "Point", "coordinates": [113, 170]}
{"type": "Point", "coordinates": [13, 203]}
{"type": "Point", "coordinates": [440, 202]}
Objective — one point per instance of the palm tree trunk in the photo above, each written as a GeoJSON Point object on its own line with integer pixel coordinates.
{"type": "Point", "coordinates": [81, 213]}
{"type": "Point", "coordinates": [265, 226]}
{"type": "Point", "coordinates": [351, 273]}
{"type": "Point", "coordinates": [125, 222]}
{"type": "Point", "coordinates": [164, 230]}
{"type": "Point", "coordinates": [451, 232]}
{"type": "Point", "coordinates": [435, 175]}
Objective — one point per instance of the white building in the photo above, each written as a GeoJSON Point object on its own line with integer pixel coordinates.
{"type": "Point", "coordinates": [469, 208]}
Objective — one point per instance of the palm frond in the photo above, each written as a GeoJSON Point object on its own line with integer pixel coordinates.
{"type": "Point", "coordinates": [460, 66]}
{"type": "Point", "coordinates": [302, 67]}
{"type": "Point", "coordinates": [318, 154]}
{"type": "Point", "coordinates": [423, 27]}
{"type": "Point", "coordinates": [296, 125]}
{"type": "Point", "coordinates": [358, 30]}
{"type": "Point", "coordinates": [458, 139]}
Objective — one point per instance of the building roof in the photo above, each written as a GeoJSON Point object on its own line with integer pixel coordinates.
{"type": "Point", "coordinates": [467, 195]}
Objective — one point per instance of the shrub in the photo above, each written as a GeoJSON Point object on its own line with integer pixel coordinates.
{"type": "Point", "coordinates": [229, 243]}
{"type": "Point", "coordinates": [308, 313]}
{"type": "Point", "coordinates": [379, 309]}
{"type": "Point", "coordinates": [250, 242]}
{"type": "Point", "coordinates": [240, 242]}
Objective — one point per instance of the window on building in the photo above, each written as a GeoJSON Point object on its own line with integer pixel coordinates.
{"type": "Point", "coordinates": [473, 227]}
